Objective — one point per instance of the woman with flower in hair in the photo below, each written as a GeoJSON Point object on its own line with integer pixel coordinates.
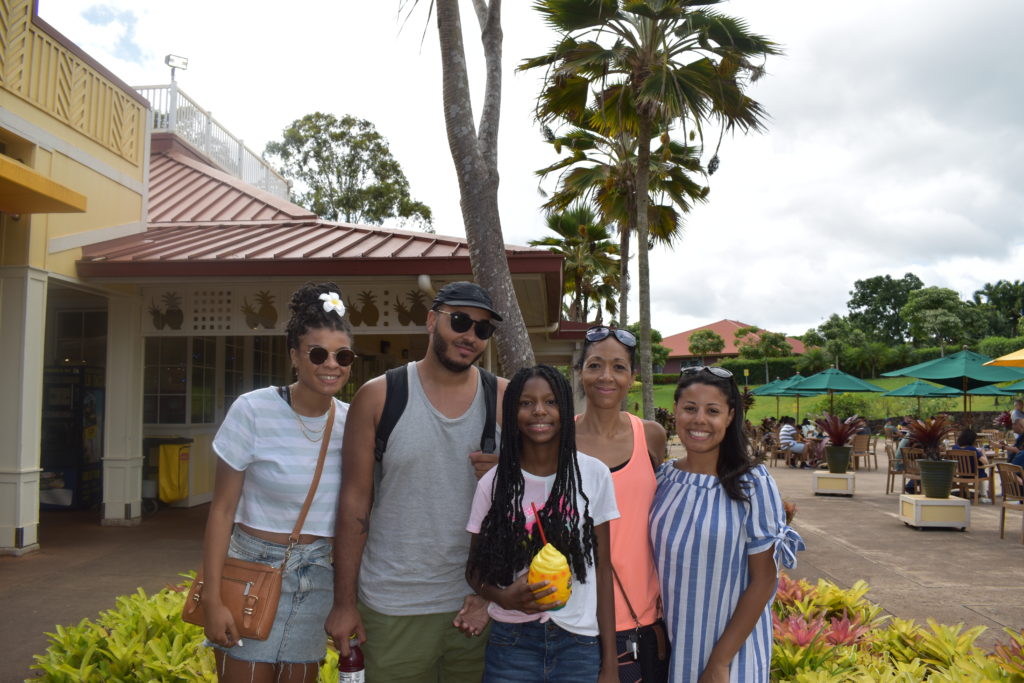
{"type": "Point", "coordinates": [267, 451]}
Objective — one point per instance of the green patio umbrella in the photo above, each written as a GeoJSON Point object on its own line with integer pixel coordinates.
{"type": "Point", "coordinates": [779, 388]}
{"type": "Point", "coordinates": [766, 389]}
{"type": "Point", "coordinates": [963, 371]}
{"type": "Point", "coordinates": [1016, 386]}
{"type": "Point", "coordinates": [833, 380]}
{"type": "Point", "coordinates": [918, 389]}
{"type": "Point", "coordinates": [786, 389]}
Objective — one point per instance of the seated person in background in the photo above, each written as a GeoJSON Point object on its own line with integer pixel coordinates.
{"type": "Point", "coordinates": [788, 436]}
{"type": "Point", "coordinates": [807, 428]}
{"type": "Point", "coordinates": [967, 440]}
{"type": "Point", "coordinates": [1018, 411]}
{"type": "Point", "coordinates": [889, 429]}
{"type": "Point", "coordinates": [1015, 452]}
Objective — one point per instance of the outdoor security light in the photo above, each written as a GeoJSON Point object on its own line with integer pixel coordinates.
{"type": "Point", "coordinates": [176, 62]}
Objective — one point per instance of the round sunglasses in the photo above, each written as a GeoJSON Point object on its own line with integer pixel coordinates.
{"type": "Point", "coordinates": [714, 370]}
{"type": "Point", "coordinates": [462, 322]}
{"type": "Point", "coordinates": [599, 332]}
{"type": "Point", "coordinates": [318, 356]}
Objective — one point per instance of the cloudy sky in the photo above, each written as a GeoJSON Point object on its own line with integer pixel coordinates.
{"type": "Point", "coordinates": [895, 142]}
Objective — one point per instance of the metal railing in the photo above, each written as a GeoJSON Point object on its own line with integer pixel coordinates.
{"type": "Point", "coordinates": [174, 111]}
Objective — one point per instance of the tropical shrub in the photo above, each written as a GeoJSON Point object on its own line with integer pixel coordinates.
{"type": "Point", "coordinates": [822, 634]}
{"type": "Point", "coordinates": [142, 639]}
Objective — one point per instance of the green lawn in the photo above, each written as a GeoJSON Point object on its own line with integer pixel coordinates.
{"type": "Point", "coordinates": [871, 405]}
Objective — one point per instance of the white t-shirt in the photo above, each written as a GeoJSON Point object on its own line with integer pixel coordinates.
{"type": "Point", "coordinates": [579, 615]}
{"type": "Point", "coordinates": [261, 437]}
{"type": "Point", "coordinates": [787, 435]}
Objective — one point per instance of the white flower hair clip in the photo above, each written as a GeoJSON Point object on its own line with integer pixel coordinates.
{"type": "Point", "coordinates": [332, 302]}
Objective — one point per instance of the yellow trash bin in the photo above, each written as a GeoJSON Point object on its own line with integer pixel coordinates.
{"type": "Point", "coordinates": [172, 461]}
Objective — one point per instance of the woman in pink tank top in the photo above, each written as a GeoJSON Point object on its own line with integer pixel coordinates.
{"type": "Point", "coordinates": [632, 449]}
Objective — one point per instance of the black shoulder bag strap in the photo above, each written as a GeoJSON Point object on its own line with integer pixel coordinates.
{"type": "Point", "coordinates": [397, 396]}
{"type": "Point", "coordinates": [394, 405]}
{"type": "Point", "coordinates": [488, 443]}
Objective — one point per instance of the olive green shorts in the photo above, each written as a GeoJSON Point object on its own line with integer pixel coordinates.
{"type": "Point", "coordinates": [422, 648]}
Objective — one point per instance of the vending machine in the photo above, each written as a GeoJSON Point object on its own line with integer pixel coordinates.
{"type": "Point", "coordinates": [72, 437]}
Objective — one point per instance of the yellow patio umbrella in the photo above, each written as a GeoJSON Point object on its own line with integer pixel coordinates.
{"type": "Point", "coordinates": [1015, 359]}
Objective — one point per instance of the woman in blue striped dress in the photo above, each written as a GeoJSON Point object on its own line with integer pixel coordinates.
{"type": "Point", "coordinates": [719, 533]}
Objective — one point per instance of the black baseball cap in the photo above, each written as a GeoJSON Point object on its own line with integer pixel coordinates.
{"type": "Point", "coordinates": [465, 293]}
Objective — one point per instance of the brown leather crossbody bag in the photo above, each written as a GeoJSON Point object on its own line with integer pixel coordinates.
{"type": "Point", "coordinates": [252, 590]}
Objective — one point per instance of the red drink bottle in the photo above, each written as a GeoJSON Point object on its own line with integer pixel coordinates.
{"type": "Point", "coordinates": [351, 669]}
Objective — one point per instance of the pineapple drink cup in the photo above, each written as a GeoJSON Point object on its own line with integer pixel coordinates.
{"type": "Point", "coordinates": [550, 565]}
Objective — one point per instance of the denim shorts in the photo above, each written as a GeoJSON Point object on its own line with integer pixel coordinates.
{"type": "Point", "coordinates": [540, 652]}
{"type": "Point", "coordinates": [307, 593]}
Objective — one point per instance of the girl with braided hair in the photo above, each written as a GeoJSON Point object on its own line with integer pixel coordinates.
{"type": "Point", "coordinates": [267, 451]}
{"type": "Point", "coordinates": [539, 467]}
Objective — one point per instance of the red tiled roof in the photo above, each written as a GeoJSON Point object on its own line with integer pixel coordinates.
{"type": "Point", "coordinates": [204, 222]}
{"type": "Point", "coordinates": [679, 344]}
{"type": "Point", "coordinates": [182, 190]}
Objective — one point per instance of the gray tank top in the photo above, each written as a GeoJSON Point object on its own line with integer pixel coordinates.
{"type": "Point", "coordinates": [415, 556]}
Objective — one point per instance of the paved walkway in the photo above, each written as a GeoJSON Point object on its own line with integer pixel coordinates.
{"type": "Point", "coordinates": [971, 577]}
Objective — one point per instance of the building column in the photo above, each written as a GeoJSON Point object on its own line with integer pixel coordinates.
{"type": "Point", "coordinates": [22, 331]}
{"type": "Point", "coordinates": [122, 442]}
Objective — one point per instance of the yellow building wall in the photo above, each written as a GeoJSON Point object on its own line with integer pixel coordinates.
{"type": "Point", "coordinates": [99, 129]}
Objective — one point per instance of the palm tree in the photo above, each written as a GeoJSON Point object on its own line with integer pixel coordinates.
{"type": "Point", "coordinates": [602, 169]}
{"type": "Point", "coordinates": [591, 261]}
{"type": "Point", "coordinates": [650, 63]}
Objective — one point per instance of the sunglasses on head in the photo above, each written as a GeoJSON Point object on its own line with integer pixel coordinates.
{"type": "Point", "coordinates": [714, 370]}
{"type": "Point", "coordinates": [599, 332]}
{"type": "Point", "coordinates": [462, 322]}
{"type": "Point", "coordinates": [318, 356]}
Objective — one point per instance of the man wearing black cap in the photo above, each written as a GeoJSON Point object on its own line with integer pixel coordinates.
{"type": "Point", "coordinates": [400, 535]}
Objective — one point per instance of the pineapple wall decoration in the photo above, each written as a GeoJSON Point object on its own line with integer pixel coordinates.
{"type": "Point", "coordinates": [265, 316]}
{"type": "Point", "coordinates": [403, 313]}
{"type": "Point", "coordinates": [369, 312]}
{"type": "Point", "coordinates": [355, 316]}
{"type": "Point", "coordinates": [417, 307]}
{"type": "Point", "coordinates": [170, 316]}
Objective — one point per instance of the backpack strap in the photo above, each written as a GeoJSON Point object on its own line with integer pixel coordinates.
{"type": "Point", "coordinates": [394, 405]}
{"type": "Point", "coordinates": [397, 396]}
{"type": "Point", "coordinates": [488, 443]}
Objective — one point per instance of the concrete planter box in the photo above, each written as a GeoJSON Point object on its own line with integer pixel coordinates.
{"type": "Point", "coordinates": [830, 484]}
{"type": "Point", "coordinates": [920, 511]}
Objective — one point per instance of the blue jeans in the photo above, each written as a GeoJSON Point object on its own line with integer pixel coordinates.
{"type": "Point", "coordinates": [540, 653]}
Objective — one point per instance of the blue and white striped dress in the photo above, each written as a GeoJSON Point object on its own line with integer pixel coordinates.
{"type": "Point", "coordinates": [701, 539]}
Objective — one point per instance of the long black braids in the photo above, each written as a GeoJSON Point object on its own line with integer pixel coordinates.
{"type": "Point", "coordinates": [504, 547]}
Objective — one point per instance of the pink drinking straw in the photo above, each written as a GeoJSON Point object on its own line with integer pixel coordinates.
{"type": "Point", "coordinates": [540, 526]}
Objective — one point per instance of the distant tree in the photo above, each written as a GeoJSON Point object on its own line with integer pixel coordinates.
{"type": "Point", "coordinates": [868, 357]}
{"type": "Point", "coordinates": [1007, 298]}
{"type": "Point", "coordinates": [812, 360]}
{"type": "Point", "coordinates": [935, 313]}
{"type": "Point", "coordinates": [839, 335]}
{"type": "Point", "coordinates": [591, 266]}
{"type": "Point", "coordinates": [704, 342]}
{"type": "Point", "coordinates": [755, 343]}
{"type": "Point", "coordinates": [875, 305]}
{"type": "Point", "coordinates": [659, 353]}
{"type": "Point", "coordinates": [812, 338]}
{"type": "Point", "coordinates": [342, 169]}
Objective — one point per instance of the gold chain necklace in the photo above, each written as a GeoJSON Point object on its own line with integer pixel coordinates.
{"type": "Point", "coordinates": [311, 433]}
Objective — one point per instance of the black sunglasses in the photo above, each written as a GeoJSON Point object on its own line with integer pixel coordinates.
{"type": "Point", "coordinates": [599, 332]}
{"type": "Point", "coordinates": [462, 322]}
{"type": "Point", "coordinates": [318, 356]}
{"type": "Point", "coordinates": [714, 370]}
